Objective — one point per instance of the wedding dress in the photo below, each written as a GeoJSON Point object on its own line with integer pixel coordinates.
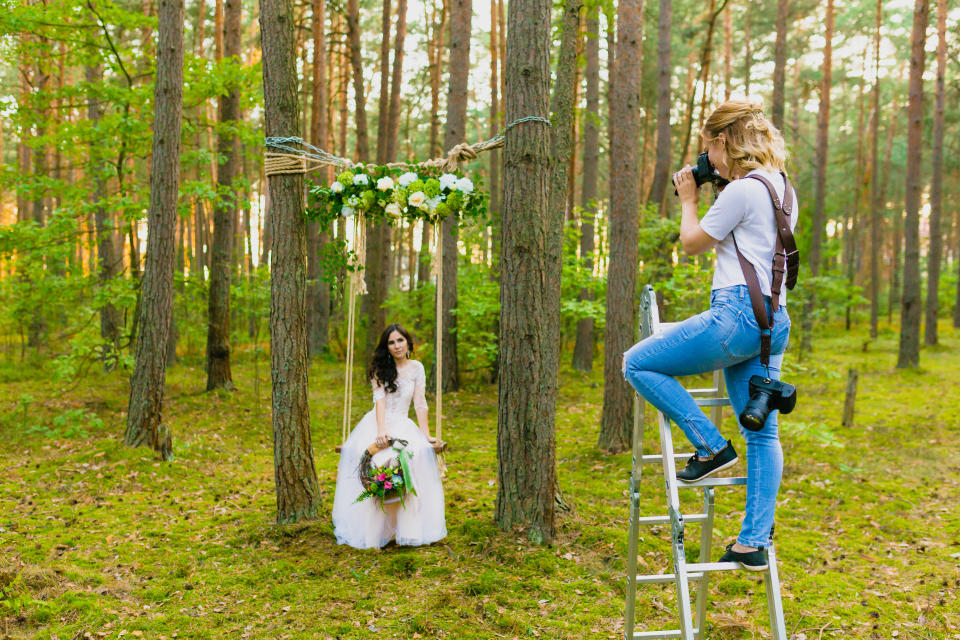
{"type": "Point", "coordinates": [421, 519]}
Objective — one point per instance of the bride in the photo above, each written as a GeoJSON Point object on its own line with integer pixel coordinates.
{"type": "Point", "coordinates": [396, 380]}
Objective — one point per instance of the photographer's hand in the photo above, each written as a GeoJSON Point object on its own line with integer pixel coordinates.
{"type": "Point", "coordinates": [693, 238]}
{"type": "Point", "coordinates": [686, 186]}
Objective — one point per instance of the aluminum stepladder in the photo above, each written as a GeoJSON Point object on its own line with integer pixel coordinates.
{"type": "Point", "coordinates": [691, 628]}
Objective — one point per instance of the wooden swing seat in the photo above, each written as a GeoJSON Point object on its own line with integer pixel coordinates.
{"type": "Point", "coordinates": [438, 447]}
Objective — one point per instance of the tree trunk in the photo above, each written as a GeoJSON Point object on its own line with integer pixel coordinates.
{"type": "Point", "coordinates": [727, 54]}
{"type": "Point", "coordinates": [221, 263]}
{"type": "Point", "coordinates": [495, 123]}
{"type": "Point", "coordinates": [823, 136]}
{"type": "Point", "coordinates": [298, 495]}
{"type": "Point", "coordinates": [624, 207]}
{"type": "Point", "coordinates": [661, 170]}
{"type": "Point", "coordinates": [109, 263]}
{"type": "Point", "coordinates": [936, 183]}
{"type": "Point", "coordinates": [384, 98]}
{"type": "Point", "coordinates": [393, 121]}
{"type": "Point", "coordinates": [893, 294]}
{"type": "Point", "coordinates": [461, 12]}
{"type": "Point", "coordinates": [529, 263]}
{"type": "Point", "coordinates": [748, 55]}
{"type": "Point", "coordinates": [780, 63]}
{"type": "Point", "coordinates": [583, 350]}
{"type": "Point", "coordinates": [144, 414]}
{"type": "Point", "coordinates": [876, 205]}
{"type": "Point", "coordinates": [563, 107]}
{"type": "Point", "coordinates": [909, 354]}
{"type": "Point", "coordinates": [318, 291]}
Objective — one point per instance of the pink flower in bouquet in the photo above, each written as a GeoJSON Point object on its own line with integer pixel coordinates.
{"type": "Point", "coordinates": [381, 477]}
{"type": "Point", "coordinates": [388, 485]}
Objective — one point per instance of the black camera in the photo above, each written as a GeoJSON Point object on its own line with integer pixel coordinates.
{"type": "Point", "coordinates": [704, 172]}
{"type": "Point", "coordinates": [767, 395]}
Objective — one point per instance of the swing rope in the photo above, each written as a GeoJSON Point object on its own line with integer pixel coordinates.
{"type": "Point", "coordinates": [438, 271]}
{"type": "Point", "coordinates": [356, 285]}
{"type": "Point", "coordinates": [282, 157]}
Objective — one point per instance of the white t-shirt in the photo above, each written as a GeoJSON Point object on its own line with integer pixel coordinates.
{"type": "Point", "coordinates": [744, 208]}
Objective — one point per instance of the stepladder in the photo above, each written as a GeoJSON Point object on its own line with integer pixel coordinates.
{"type": "Point", "coordinates": [691, 580]}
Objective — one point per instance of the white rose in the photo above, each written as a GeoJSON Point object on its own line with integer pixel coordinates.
{"type": "Point", "coordinates": [346, 211]}
{"type": "Point", "coordinates": [407, 178]}
{"type": "Point", "coordinates": [353, 201]}
{"type": "Point", "coordinates": [465, 185]}
{"type": "Point", "coordinates": [448, 181]}
{"type": "Point", "coordinates": [393, 209]}
{"type": "Point", "coordinates": [336, 187]}
{"type": "Point", "coordinates": [433, 202]}
{"type": "Point", "coordinates": [385, 184]}
{"type": "Point", "coordinates": [360, 178]}
{"type": "Point", "coordinates": [417, 199]}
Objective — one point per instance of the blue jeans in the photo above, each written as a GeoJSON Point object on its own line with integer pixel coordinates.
{"type": "Point", "coordinates": [724, 337]}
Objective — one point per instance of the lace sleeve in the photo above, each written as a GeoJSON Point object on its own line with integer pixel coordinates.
{"type": "Point", "coordinates": [420, 388]}
{"type": "Point", "coordinates": [378, 392]}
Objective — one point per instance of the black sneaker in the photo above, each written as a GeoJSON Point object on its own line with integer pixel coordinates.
{"type": "Point", "coordinates": [751, 561]}
{"type": "Point", "coordinates": [699, 468]}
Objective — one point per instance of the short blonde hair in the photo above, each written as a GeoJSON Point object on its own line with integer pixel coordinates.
{"type": "Point", "coordinates": [752, 142]}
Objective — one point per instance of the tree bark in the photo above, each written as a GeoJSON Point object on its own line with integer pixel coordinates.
{"type": "Point", "coordinates": [318, 291]}
{"type": "Point", "coordinates": [823, 136]}
{"type": "Point", "coordinates": [109, 263]}
{"type": "Point", "coordinates": [530, 264]}
{"type": "Point", "coordinates": [144, 414]}
{"type": "Point", "coordinates": [780, 63]}
{"type": "Point", "coordinates": [495, 123]}
{"type": "Point", "coordinates": [461, 12]}
{"type": "Point", "coordinates": [624, 206]}
{"type": "Point", "coordinates": [876, 205]}
{"type": "Point", "coordinates": [384, 98]}
{"type": "Point", "coordinates": [393, 121]}
{"type": "Point", "coordinates": [936, 183]}
{"type": "Point", "coordinates": [583, 349]}
{"type": "Point", "coordinates": [298, 495]}
{"type": "Point", "coordinates": [661, 170]}
{"type": "Point", "coordinates": [221, 263]}
{"type": "Point", "coordinates": [563, 104]}
{"type": "Point", "coordinates": [909, 352]}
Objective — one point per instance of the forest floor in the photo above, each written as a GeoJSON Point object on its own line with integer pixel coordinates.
{"type": "Point", "coordinates": [101, 541]}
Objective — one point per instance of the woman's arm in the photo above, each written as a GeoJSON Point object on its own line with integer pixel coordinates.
{"type": "Point", "coordinates": [420, 402]}
{"type": "Point", "coordinates": [380, 403]}
{"type": "Point", "coordinates": [692, 236]}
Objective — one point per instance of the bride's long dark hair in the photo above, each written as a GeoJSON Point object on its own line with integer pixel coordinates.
{"type": "Point", "coordinates": [382, 366]}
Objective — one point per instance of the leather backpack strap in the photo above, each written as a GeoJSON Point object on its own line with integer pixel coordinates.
{"type": "Point", "coordinates": [764, 320]}
{"type": "Point", "coordinates": [785, 234]}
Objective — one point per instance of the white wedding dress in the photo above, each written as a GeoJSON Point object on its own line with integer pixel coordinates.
{"type": "Point", "coordinates": [421, 520]}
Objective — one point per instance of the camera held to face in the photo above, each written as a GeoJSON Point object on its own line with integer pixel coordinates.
{"type": "Point", "coordinates": [704, 172]}
{"type": "Point", "coordinates": [767, 395]}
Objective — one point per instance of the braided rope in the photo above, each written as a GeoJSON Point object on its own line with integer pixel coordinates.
{"type": "Point", "coordinates": [288, 159]}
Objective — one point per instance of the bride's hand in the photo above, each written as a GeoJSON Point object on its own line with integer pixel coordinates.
{"type": "Point", "coordinates": [431, 440]}
{"type": "Point", "coordinates": [383, 440]}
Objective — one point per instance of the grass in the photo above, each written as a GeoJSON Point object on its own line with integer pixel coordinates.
{"type": "Point", "coordinates": [101, 541]}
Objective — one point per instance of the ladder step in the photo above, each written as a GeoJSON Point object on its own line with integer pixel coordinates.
{"type": "Point", "coordinates": [650, 520]}
{"type": "Point", "coordinates": [695, 571]}
{"type": "Point", "coordinates": [666, 633]}
{"type": "Point", "coordinates": [703, 392]}
{"type": "Point", "coordinates": [714, 482]}
{"type": "Point", "coordinates": [650, 459]}
{"type": "Point", "coordinates": [712, 402]}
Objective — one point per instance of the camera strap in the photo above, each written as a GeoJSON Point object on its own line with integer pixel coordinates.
{"type": "Point", "coordinates": [786, 260]}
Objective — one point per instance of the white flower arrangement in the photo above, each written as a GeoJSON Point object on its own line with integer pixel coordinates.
{"type": "Point", "coordinates": [448, 181]}
{"type": "Point", "coordinates": [393, 210]}
{"type": "Point", "coordinates": [385, 184]}
{"type": "Point", "coordinates": [361, 178]}
{"type": "Point", "coordinates": [433, 202]}
{"type": "Point", "coordinates": [417, 199]}
{"type": "Point", "coordinates": [347, 211]}
{"type": "Point", "coordinates": [465, 186]}
{"type": "Point", "coordinates": [407, 178]}
{"type": "Point", "coordinates": [336, 187]}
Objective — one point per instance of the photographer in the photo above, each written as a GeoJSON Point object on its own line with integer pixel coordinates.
{"type": "Point", "coordinates": [740, 143]}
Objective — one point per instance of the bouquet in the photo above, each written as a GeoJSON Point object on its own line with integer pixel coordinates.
{"type": "Point", "coordinates": [389, 482]}
{"type": "Point", "coordinates": [379, 194]}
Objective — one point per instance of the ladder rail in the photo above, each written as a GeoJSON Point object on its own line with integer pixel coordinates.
{"type": "Point", "coordinates": [684, 573]}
